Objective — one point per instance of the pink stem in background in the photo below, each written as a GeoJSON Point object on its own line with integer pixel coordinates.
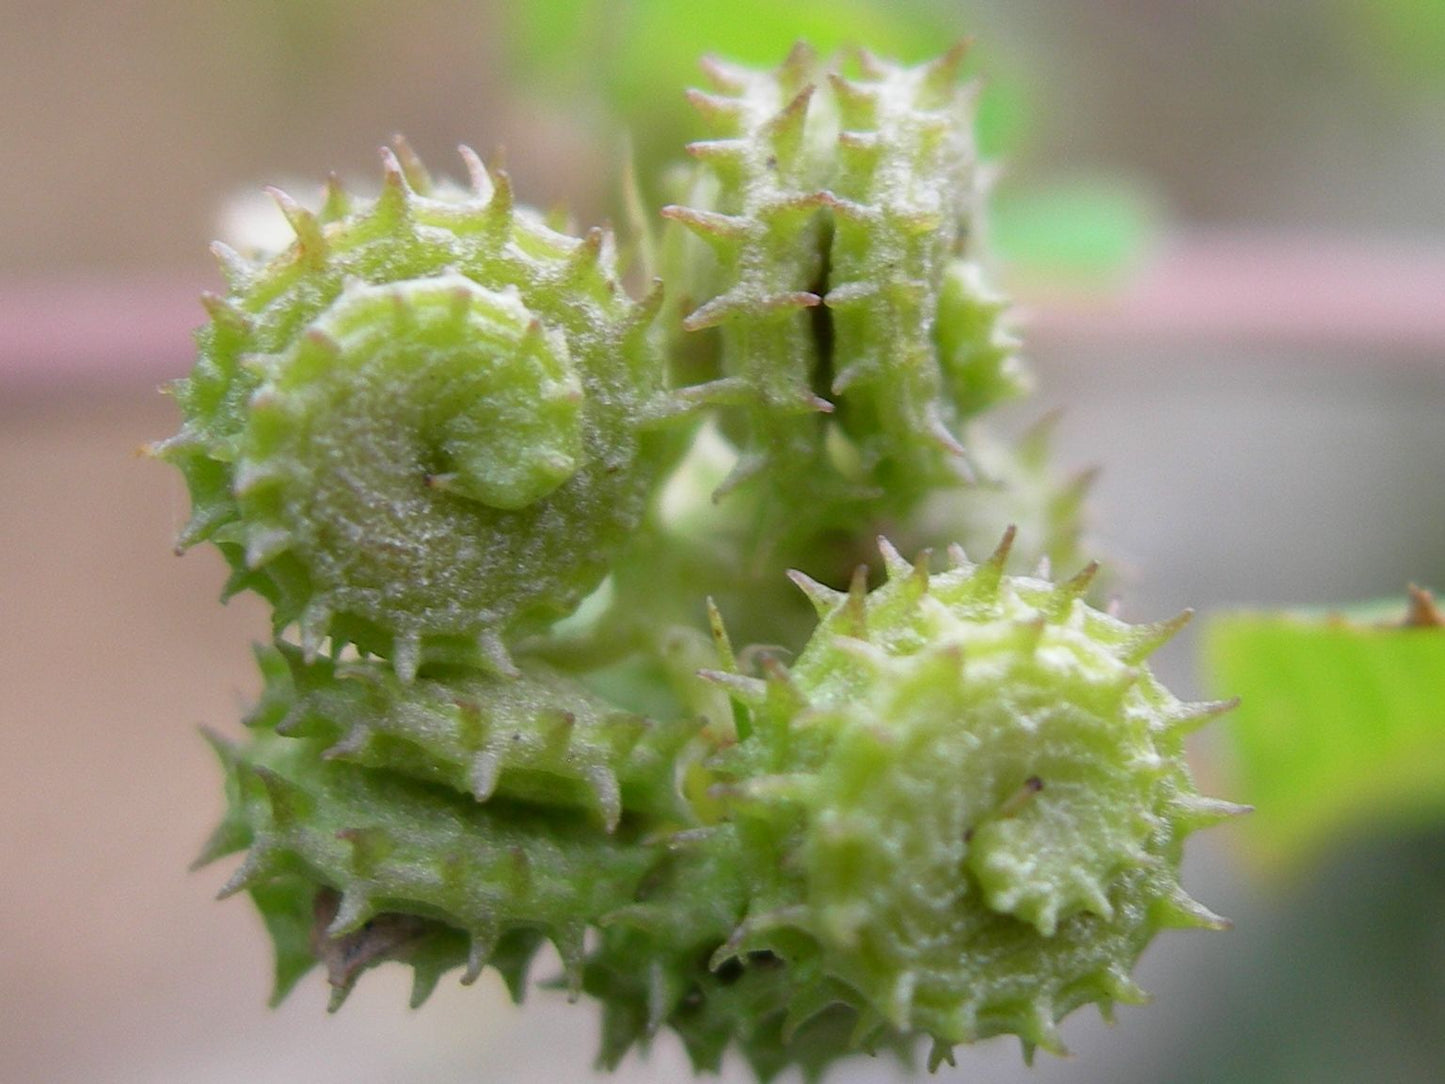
{"type": "Point", "coordinates": [1302, 292]}
{"type": "Point", "coordinates": [103, 331]}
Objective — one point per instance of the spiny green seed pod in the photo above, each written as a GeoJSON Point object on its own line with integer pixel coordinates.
{"type": "Point", "coordinates": [665, 963]}
{"type": "Point", "coordinates": [387, 845]}
{"type": "Point", "coordinates": [983, 792]}
{"type": "Point", "coordinates": [960, 814]}
{"type": "Point", "coordinates": [858, 194]}
{"type": "Point", "coordinates": [418, 427]}
{"type": "Point", "coordinates": [750, 1004]}
{"type": "Point", "coordinates": [425, 432]}
{"type": "Point", "coordinates": [538, 737]}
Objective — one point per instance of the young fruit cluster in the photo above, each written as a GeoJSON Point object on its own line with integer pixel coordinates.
{"type": "Point", "coordinates": [502, 707]}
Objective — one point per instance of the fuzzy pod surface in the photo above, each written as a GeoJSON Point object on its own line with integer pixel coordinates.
{"type": "Point", "coordinates": [980, 795]}
{"type": "Point", "coordinates": [858, 333]}
{"type": "Point", "coordinates": [419, 427]}
{"type": "Point", "coordinates": [423, 432]}
{"type": "Point", "coordinates": [537, 736]}
{"type": "Point", "coordinates": [959, 814]}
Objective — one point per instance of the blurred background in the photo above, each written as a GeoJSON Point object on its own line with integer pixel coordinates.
{"type": "Point", "coordinates": [1225, 225]}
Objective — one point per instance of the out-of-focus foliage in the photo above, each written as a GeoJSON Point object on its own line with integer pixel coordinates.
{"type": "Point", "coordinates": [1409, 35]}
{"type": "Point", "coordinates": [629, 50]}
{"type": "Point", "coordinates": [1341, 726]}
{"type": "Point", "coordinates": [1077, 230]}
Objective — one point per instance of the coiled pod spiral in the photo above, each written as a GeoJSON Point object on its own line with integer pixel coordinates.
{"type": "Point", "coordinates": [981, 793]}
{"type": "Point", "coordinates": [537, 736]}
{"type": "Point", "coordinates": [419, 427]}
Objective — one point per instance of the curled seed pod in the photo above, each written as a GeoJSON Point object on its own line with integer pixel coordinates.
{"type": "Point", "coordinates": [420, 431]}
{"type": "Point", "coordinates": [984, 792]}
{"type": "Point", "coordinates": [417, 428]}
{"type": "Point", "coordinates": [858, 194]}
{"type": "Point", "coordinates": [389, 846]}
{"type": "Point", "coordinates": [539, 737]}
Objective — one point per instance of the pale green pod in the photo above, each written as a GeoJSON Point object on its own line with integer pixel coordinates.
{"type": "Point", "coordinates": [387, 845]}
{"type": "Point", "coordinates": [756, 207]}
{"type": "Point", "coordinates": [858, 195]}
{"type": "Point", "coordinates": [901, 196]}
{"type": "Point", "coordinates": [983, 794]}
{"type": "Point", "coordinates": [419, 427]}
{"type": "Point", "coordinates": [427, 431]}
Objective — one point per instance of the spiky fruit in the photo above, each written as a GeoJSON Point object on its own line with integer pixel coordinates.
{"type": "Point", "coordinates": [424, 432]}
{"type": "Point", "coordinates": [983, 793]}
{"type": "Point", "coordinates": [959, 814]}
{"type": "Point", "coordinates": [759, 201]}
{"type": "Point", "coordinates": [418, 428]}
{"type": "Point", "coordinates": [857, 195]}
{"type": "Point", "coordinates": [902, 199]}
{"type": "Point", "coordinates": [388, 845]}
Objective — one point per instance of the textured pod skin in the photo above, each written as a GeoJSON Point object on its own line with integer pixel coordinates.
{"type": "Point", "coordinates": [902, 199]}
{"type": "Point", "coordinates": [388, 845]}
{"type": "Point", "coordinates": [419, 510]}
{"type": "Point", "coordinates": [538, 737]}
{"type": "Point", "coordinates": [425, 432]}
{"type": "Point", "coordinates": [959, 814]}
{"type": "Point", "coordinates": [761, 190]}
{"type": "Point", "coordinates": [857, 194]}
{"type": "Point", "coordinates": [977, 353]}
{"type": "Point", "coordinates": [1042, 771]}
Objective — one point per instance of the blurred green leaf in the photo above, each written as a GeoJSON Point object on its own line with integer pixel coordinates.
{"type": "Point", "coordinates": [636, 56]}
{"type": "Point", "coordinates": [1341, 727]}
{"type": "Point", "coordinates": [648, 43]}
{"type": "Point", "coordinates": [1074, 230]}
{"type": "Point", "coordinates": [1402, 40]}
